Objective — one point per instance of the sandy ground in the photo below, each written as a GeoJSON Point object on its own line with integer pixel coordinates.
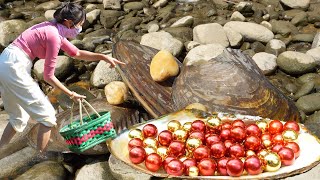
{"type": "Point", "coordinates": [313, 174]}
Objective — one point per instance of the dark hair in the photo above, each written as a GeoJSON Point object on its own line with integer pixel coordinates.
{"type": "Point", "coordinates": [70, 11]}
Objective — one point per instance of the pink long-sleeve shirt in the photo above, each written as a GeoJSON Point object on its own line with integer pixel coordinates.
{"type": "Point", "coordinates": [44, 41]}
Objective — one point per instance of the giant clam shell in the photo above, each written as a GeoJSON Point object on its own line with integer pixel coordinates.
{"type": "Point", "coordinates": [309, 146]}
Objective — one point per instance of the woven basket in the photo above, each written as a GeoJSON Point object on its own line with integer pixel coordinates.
{"type": "Point", "coordinates": [89, 131]}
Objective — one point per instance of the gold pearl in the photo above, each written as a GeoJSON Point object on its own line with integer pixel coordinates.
{"type": "Point", "coordinates": [263, 125]}
{"type": "Point", "coordinates": [290, 135]}
{"type": "Point", "coordinates": [187, 126]}
{"type": "Point", "coordinates": [214, 122]}
{"type": "Point", "coordinates": [180, 135]}
{"type": "Point", "coordinates": [174, 125]}
{"type": "Point", "coordinates": [250, 153]}
{"type": "Point", "coordinates": [189, 154]}
{"type": "Point", "coordinates": [150, 150]}
{"type": "Point", "coordinates": [183, 158]}
{"type": "Point", "coordinates": [193, 171]}
{"type": "Point", "coordinates": [135, 133]}
{"type": "Point", "coordinates": [163, 152]}
{"type": "Point", "coordinates": [150, 142]}
{"type": "Point", "coordinates": [267, 143]}
{"type": "Point", "coordinates": [273, 162]}
{"type": "Point", "coordinates": [193, 143]}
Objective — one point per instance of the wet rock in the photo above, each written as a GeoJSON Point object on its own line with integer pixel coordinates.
{"type": "Point", "coordinates": [257, 47]}
{"type": "Point", "coordinates": [160, 3]}
{"type": "Point", "coordinates": [303, 37]}
{"type": "Point", "coordinates": [295, 62]}
{"type": "Point", "coordinates": [10, 30]}
{"type": "Point", "coordinates": [300, 19]}
{"type": "Point", "coordinates": [315, 53]}
{"type": "Point", "coordinates": [290, 14]}
{"type": "Point", "coordinates": [313, 124]}
{"type": "Point", "coordinates": [108, 18]}
{"type": "Point", "coordinates": [63, 67]}
{"type": "Point", "coordinates": [309, 103]}
{"type": "Point", "coordinates": [220, 4]}
{"type": "Point", "coordinates": [305, 89]}
{"type": "Point", "coordinates": [116, 92]}
{"type": "Point", "coordinates": [291, 87]}
{"type": "Point", "coordinates": [45, 170]}
{"type": "Point", "coordinates": [245, 46]}
{"type": "Point", "coordinates": [275, 47]}
{"type": "Point", "coordinates": [162, 41]}
{"type": "Point", "coordinates": [251, 31]}
{"type": "Point", "coordinates": [305, 78]}
{"type": "Point", "coordinates": [203, 34]}
{"type": "Point", "coordinates": [237, 16]}
{"type": "Point", "coordinates": [235, 38]}
{"type": "Point", "coordinates": [93, 16]}
{"type": "Point", "coordinates": [120, 170]}
{"type": "Point", "coordinates": [203, 53]}
{"type": "Point", "coordinates": [91, 7]}
{"type": "Point", "coordinates": [186, 21]}
{"type": "Point", "coordinates": [130, 23]}
{"type": "Point", "coordinates": [313, 16]}
{"type": "Point", "coordinates": [103, 75]}
{"type": "Point", "coordinates": [111, 4]}
{"type": "Point", "coordinates": [48, 5]}
{"type": "Point", "coordinates": [183, 34]}
{"type": "Point", "coordinates": [266, 62]}
{"type": "Point", "coordinates": [95, 171]}
{"type": "Point", "coordinates": [131, 6]}
{"type": "Point", "coordinates": [302, 47]}
{"type": "Point", "coordinates": [284, 28]}
{"type": "Point", "coordinates": [297, 3]}
{"type": "Point", "coordinates": [249, 52]}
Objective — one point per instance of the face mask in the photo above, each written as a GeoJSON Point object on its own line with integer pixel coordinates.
{"type": "Point", "coordinates": [79, 29]}
{"type": "Point", "coordinates": [68, 33]}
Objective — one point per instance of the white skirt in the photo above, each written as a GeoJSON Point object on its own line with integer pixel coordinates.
{"type": "Point", "coordinates": [21, 94]}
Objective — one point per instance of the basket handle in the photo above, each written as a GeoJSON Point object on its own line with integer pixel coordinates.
{"type": "Point", "coordinates": [81, 105]}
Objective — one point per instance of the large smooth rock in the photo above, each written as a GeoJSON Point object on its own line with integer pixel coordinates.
{"type": "Point", "coordinates": [315, 53]}
{"type": "Point", "coordinates": [203, 34]}
{"type": "Point", "coordinates": [285, 28]}
{"type": "Point", "coordinates": [108, 18]}
{"type": "Point", "coordinates": [162, 41]}
{"type": "Point", "coordinates": [95, 171]}
{"type": "Point", "coordinates": [130, 6]}
{"type": "Point", "coordinates": [48, 5]}
{"type": "Point", "coordinates": [93, 16]}
{"type": "Point", "coordinates": [163, 66]}
{"type": "Point", "coordinates": [251, 31]}
{"type": "Point", "coordinates": [103, 74]}
{"type": "Point", "coordinates": [266, 62]}
{"type": "Point", "coordinates": [296, 3]}
{"type": "Point", "coordinates": [49, 170]}
{"type": "Point", "coordinates": [186, 21]}
{"type": "Point", "coordinates": [111, 4]}
{"type": "Point", "coordinates": [234, 37]}
{"type": "Point", "coordinates": [122, 171]}
{"type": "Point", "coordinates": [203, 53]}
{"type": "Point", "coordinates": [309, 103]}
{"type": "Point", "coordinates": [116, 92]}
{"type": "Point", "coordinates": [295, 62]}
{"type": "Point", "coordinates": [63, 67]}
{"type": "Point", "coordinates": [10, 30]}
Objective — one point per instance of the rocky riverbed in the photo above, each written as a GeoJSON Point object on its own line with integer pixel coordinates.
{"type": "Point", "coordinates": [281, 36]}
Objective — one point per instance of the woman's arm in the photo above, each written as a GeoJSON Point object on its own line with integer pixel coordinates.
{"type": "Point", "coordinates": [91, 56]}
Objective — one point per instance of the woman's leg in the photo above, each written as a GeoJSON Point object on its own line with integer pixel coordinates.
{"type": "Point", "coordinates": [44, 133]}
{"type": "Point", "coordinates": [7, 135]}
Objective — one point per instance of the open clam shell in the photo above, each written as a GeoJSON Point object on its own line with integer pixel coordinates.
{"type": "Point", "coordinates": [309, 147]}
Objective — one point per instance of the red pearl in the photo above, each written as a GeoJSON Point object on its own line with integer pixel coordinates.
{"type": "Point", "coordinates": [175, 167]}
{"type": "Point", "coordinates": [198, 125]}
{"type": "Point", "coordinates": [165, 138]}
{"type": "Point", "coordinates": [218, 150]}
{"type": "Point", "coordinates": [207, 167]}
{"type": "Point", "coordinates": [275, 126]}
{"type": "Point", "coordinates": [253, 165]}
{"type": "Point", "coordinates": [236, 150]}
{"type": "Point", "coordinates": [234, 167]}
{"type": "Point", "coordinates": [153, 162]}
{"type": "Point", "coordinates": [238, 134]}
{"type": "Point", "coordinates": [176, 148]}
{"type": "Point", "coordinates": [149, 130]}
{"type": "Point", "coordinates": [291, 125]}
{"type": "Point", "coordinates": [201, 152]}
{"type": "Point", "coordinates": [286, 156]}
{"type": "Point", "coordinates": [226, 125]}
{"type": "Point", "coordinates": [222, 166]}
{"type": "Point", "coordinates": [135, 142]}
{"type": "Point", "coordinates": [225, 134]}
{"type": "Point", "coordinates": [253, 129]}
{"type": "Point", "coordinates": [188, 163]}
{"type": "Point", "coordinates": [295, 148]}
{"type": "Point", "coordinates": [137, 155]}
{"type": "Point", "coordinates": [238, 123]}
{"type": "Point", "coordinates": [213, 138]}
{"type": "Point", "coordinates": [252, 142]}
{"type": "Point", "coordinates": [198, 135]}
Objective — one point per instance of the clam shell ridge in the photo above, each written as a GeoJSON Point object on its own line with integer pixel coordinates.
{"type": "Point", "coordinates": [232, 83]}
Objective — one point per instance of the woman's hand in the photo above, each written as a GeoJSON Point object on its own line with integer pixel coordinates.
{"type": "Point", "coordinates": [76, 97]}
{"type": "Point", "coordinates": [113, 61]}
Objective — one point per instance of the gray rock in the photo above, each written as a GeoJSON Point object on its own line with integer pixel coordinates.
{"type": "Point", "coordinates": [109, 18]}
{"type": "Point", "coordinates": [153, 27]}
{"type": "Point", "coordinates": [103, 75]}
{"type": "Point", "coordinates": [275, 47]}
{"type": "Point", "coordinates": [235, 38]}
{"type": "Point", "coordinates": [63, 67]}
{"type": "Point", "coordinates": [295, 62]}
{"type": "Point", "coordinates": [300, 19]}
{"type": "Point", "coordinates": [190, 45]}
{"type": "Point", "coordinates": [130, 6]}
{"type": "Point", "coordinates": [303, 37]}
{"type": "Point", "coordinates": [91, 7]}
{"type": "Point", "coordinates": [305, 78]}
{"type": "Point", "coordinates": [183, 34]}
{"type": "Point", "coordinates": [93, 16]}
{"type": "Point", "coordinates": [258, 47]}
{"type": "Point", "coordinates": [266, 62]}
{"type": "Point", "coordinates": [49, 14]}
{"type": "Point", "coordinates": [48, 5]}
{"type": "Point", "coordinates": [95, 171]}
{"type": "Point", "coordinates": [290, 14]}
{"type": "Point", "coordinates": [10, 30]}
{"type": "Point", "coordinates": [90, 43]}
{"type": "Point", "coordinates": [309, 103]}
{"type": "Point", "coordinates": [315, 53]}
{"type": "Point", "coordinates": [111, 4]}
{"type": "Point", "coordinates": [267, 25]}
{"type": "Point", "coordinates": [284, 28]}
{"type": "Point", "coordinates": [186, 21]}
{"type": "Point", "coordinates": [203, 53]}
{"type": "Point", "coordinates": [313, 16]}
{"type": "Point", "coordinates": [130, 23]}
{"type": "Point", "coordinates": [297, 3]}
{"type": "Point", "coordinates": [162, 41]}
{"type": "Point", "coordinates": [305, 89]}
{"type": "Point", "coordinates": [160, 3]}
{"type": "Point", "coordinates": [237, 16]}
{"type": "Point", "coordinates": [251, 31]}
{"type": "Point", "coordinates": [313, 124]}
{"type": "Point", "coordinates": [203, 34]}
{"type": "Point", "coordinates": [221, 4]}
{"type": "Point", "coordinates": [316, 41]}
{"type": "Point", "coordinates": [122, 171]}
{"type": "Point", "coordinates": [46, 170]}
